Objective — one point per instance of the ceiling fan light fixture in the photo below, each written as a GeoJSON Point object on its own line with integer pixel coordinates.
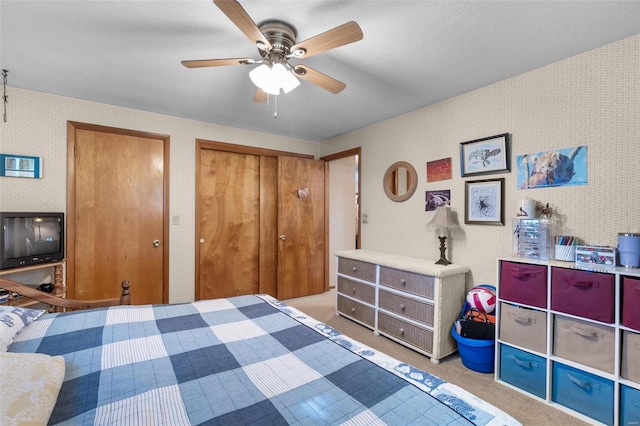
{"type": "Point", "coordinates": [272, 79]}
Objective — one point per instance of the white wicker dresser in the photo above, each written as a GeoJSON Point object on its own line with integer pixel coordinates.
{"type": "Point", "coordinates": [412, 301]}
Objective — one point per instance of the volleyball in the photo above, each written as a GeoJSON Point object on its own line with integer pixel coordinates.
{"type": "Point", "coordinates": [482, 298]}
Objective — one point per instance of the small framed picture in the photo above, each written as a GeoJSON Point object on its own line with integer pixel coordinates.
{"type": "Point", "coordinates": [435, 199]}
{"type": "Point", "coordinates": [484, 202]}
{"type": "Point", "coordinates": [485, 156]}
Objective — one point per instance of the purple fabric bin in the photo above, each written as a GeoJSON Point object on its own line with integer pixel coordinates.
{"type": "Point", "coordinates": [523, 283]}
{"type": "Point", "coordinates": [583, 293]}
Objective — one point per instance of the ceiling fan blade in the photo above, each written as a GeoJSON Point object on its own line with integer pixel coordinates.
{"type": "Point", "coordinates": [319, 79]}
{"type": "Point", "coordinates": [339, 36]}
{"type": "Point", "coordinates": [243, 21]}
{"type": "Point", "coordinates": [260, 96]}
{"type": "Point", "coordinates": [217, 62]}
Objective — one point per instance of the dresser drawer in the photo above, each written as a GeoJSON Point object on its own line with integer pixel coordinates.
{"type": "Point", "coordinates": [584, 342]}
{"type": "Point", "coordinates": [523, 327]}
{"type": "Point", "coordinates": [366, 293]}
{"type": "Point", "coordinates": [417, 336]}
{"type": "Point", "coordinates": [357, 310]}
{"type": "Point", "coordinates": [583, 392]}
{"type": "Point", "coordinates": [357, 269]}
{"type": "Point", "coordinates": [410, 308]}
{"type": "Point", "coordinates": [523, 283]}
{"type": "Point", "coordinates": [583, 293]}
{"type": "Point", "coordinates": [523, 370]}
{"type": "Point", "coordinates": [422, 285]}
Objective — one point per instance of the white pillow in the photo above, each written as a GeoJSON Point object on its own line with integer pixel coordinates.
{"type": "Point", "coordinates": [30, 387]}
{"type": "Point", "coordinates": [12, 320]}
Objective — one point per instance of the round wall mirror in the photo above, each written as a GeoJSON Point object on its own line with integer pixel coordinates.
{"type": "Point", "coordinates": [400, 181]}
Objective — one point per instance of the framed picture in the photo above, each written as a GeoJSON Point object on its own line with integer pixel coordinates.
{"type": "Point", "coordinates": [484, 202]}
{"type": "Point", "coordinates": [20, 166]}
{"type": "Point", "coordinates": [485, 156]}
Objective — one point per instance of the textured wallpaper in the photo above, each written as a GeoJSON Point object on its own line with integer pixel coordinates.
{"type": "Point", "coordinates": [591, 99]}
{"type": "Point", "coordinates": [37, 126]}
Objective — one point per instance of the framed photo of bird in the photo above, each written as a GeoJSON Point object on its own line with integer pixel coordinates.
{"type": "Point", "coordinates": [485, 156]}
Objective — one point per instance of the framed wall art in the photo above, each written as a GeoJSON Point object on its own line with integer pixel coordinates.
{"type": "Point", "coordinates": [484, 202]}
{"type": "Point", "coordinates": [485, 156]}
{"type": "Point", "coordinates": [20, 166]}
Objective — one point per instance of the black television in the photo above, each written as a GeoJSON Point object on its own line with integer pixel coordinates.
{"type": "Point", "coordinates": [30, 238]}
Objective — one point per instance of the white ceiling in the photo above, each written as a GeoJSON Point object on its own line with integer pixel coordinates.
{"type": "Point", "coordinates": [413, 54]}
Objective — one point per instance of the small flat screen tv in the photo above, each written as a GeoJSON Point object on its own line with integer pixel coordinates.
{"type": "Point", "coordinates": [30, 238]}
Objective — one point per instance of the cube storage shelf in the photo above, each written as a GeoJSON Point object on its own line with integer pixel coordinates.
{"type": "Point", "coordinates": [570, 337]}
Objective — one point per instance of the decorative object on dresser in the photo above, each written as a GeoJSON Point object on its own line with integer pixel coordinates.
{"type": "Point", "coordinates": [568, 336]}
{"type": "Point", "coordinates": [445, 224]}
{"type": "Point", "coordinates": [411, 301]}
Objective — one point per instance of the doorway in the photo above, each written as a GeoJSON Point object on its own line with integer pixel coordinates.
{"type": "Point", "coordinates": [117, 213]}
{"type": "Point", "coordinates": [343, 195]}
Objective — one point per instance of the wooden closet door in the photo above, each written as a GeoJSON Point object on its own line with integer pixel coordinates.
{"type": "Point", "coordinates": [301, 249]}
{"type": "Point", "coordinates": [116, 214]}
{"type": "Point", "coordinates": [229, 217]}
{"type": "Point", "coordinates": [245, 201]}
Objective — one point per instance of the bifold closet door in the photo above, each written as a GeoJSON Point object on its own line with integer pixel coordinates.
{"type": "Point", "coordinates": [229, 216]}
{"type": "Point", "coordinates": [301, 227]}
{"type": "Point", "coordinates": [256, 232]}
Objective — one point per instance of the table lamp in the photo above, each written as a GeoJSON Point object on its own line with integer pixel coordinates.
{"type": "Point", "coordinates": [444, 224]}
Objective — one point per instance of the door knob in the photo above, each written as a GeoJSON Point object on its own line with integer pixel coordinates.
{"type": "Point", "coordinates": [282, 237]}
{"type": "Point", "coordinates": [156, 243]}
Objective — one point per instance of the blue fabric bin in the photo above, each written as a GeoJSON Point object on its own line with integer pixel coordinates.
{"type": "Point", "coordinates": [630, 406]}
{"type": "Point", "coordinates": [583, 392]}
{"type": "Point", "coordinates": [523, 370]}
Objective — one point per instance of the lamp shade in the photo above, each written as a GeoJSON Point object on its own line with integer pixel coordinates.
{"type": "Point", "coordinates": [443, 221]}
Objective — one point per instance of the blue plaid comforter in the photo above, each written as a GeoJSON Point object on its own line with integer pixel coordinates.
{"type": "Point", "coordinates": [242, 360]}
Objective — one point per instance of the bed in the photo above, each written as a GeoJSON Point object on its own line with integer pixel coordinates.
{"type": "Point", "coordinates": [241, 360]}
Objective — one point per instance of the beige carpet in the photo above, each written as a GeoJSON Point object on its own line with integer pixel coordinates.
{"type": "Point", "coordinates": [527, 410]}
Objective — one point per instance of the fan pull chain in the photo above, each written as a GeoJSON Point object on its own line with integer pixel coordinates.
{"type": "Point", "coordinates": [275, 106]}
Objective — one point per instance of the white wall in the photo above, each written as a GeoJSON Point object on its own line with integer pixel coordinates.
{"type": "Point", "coordinates": [592, 99]}
{"type": "Point", "coordinates": [342, 210]}
{"type": "Point", "coordinates": [37, 126]}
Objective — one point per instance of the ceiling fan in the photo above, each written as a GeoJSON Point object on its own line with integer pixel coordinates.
{"type": "Point", "coordinates": [276, 43]}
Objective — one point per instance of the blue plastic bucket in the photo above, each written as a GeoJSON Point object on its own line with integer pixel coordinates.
{"type": "Point", "coordinates": [477, 355]}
